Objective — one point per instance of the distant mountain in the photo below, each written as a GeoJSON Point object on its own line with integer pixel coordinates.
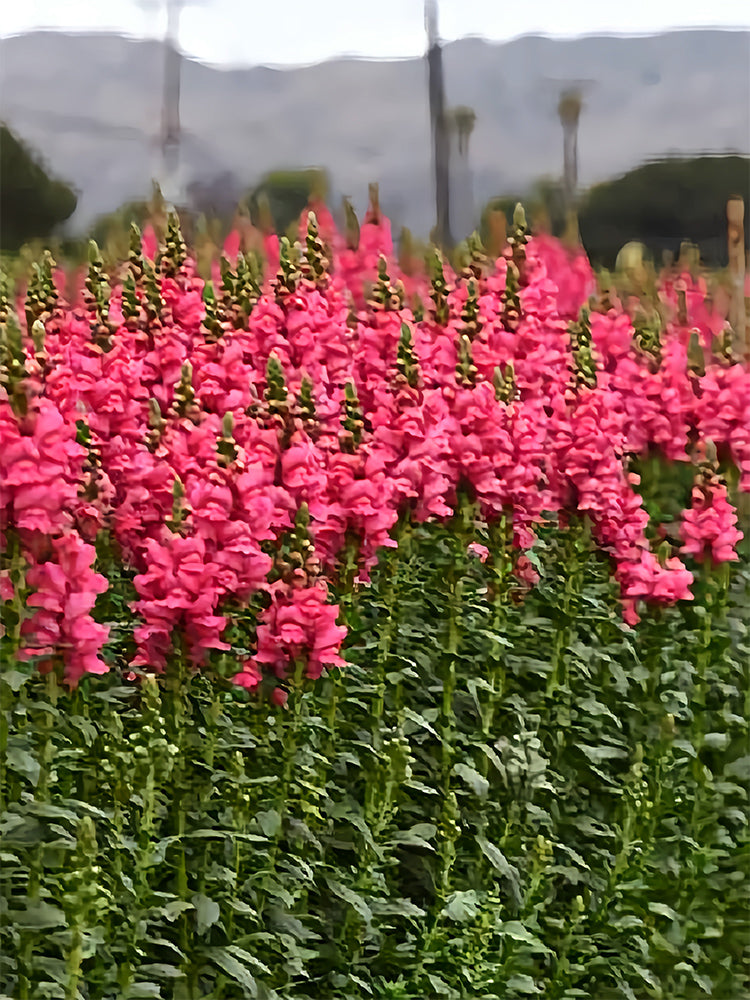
{"type": "Point", "coordinates": [91, 106]}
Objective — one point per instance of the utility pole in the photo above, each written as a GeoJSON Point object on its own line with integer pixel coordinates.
{"type": "Point", "coordinates": [439, 124]}
{"type": "Point", "coordinates": [170, 121]}
{"type": "Point", "coordinates": [171, 133]}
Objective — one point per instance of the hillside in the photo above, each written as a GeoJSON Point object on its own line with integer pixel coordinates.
{"type": "Point", "coordinates": [90, 104]}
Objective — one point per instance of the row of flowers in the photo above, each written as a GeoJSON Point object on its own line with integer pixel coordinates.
{"type": "Point", "coordinates": [261, 432]}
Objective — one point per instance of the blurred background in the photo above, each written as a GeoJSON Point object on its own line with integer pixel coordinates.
{"type": "Point", "coordinates": [634, 117]}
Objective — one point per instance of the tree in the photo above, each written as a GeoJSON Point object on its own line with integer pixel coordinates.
{"type": "Point", "coordinates": [663, 203]}
{"type": "Point", "coordinates": [32, 204]}
{"type": "Point", "coordinates": [286, 194]}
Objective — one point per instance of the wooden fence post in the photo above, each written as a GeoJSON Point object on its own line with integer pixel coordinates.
{"type": "Point", "coordinates": [736, 248]}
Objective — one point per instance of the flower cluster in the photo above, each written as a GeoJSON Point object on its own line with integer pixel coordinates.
{"type": "Point", "coordinates": [192, 422]}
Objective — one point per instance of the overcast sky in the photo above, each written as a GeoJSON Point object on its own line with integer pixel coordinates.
{"type": "Point", "coordinates": [252, 32]}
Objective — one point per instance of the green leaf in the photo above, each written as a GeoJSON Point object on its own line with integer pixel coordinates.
{"type": "Point", "coordinates": [523, 984]}
{"type": "Point", "coordinates": [143, 991]}
{"type": "Point", "coordinates": [14, 679]}
{"type": "Point", "coordinates": [478, 784]}
{"type": "Point", "coordinates": [161, 971]}
{"type": "Point", "coordinates": [227, 962]}
{"type": "Point", "coordinates": [462, 906]}
{"type": "Point", "coordinates": [515, 930]}
{"type": "Point", "coordinates": [418, 836]}
{"type": "Point", "coordinates": [351, 897]}
{"type": "Point", "coordinates": [269, 822]}
{"type": "Point", "coordinates": [739, 768]}
{"type": "Point", "coordinates": [39, 915]}
{"type": "Point", "coordinates": [23, 763]}
{"type": "Point", "coordinates": [172, 910]}
{"type": "Point", "coordinates": [207, 912]}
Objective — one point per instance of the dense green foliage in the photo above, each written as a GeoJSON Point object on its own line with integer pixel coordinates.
{"type": "Point", "coordinates": [32, 203]}
{"type": "Point", "coordinates": [497, 798]}
{"type": "Point", "coordinates": [661, 204]}
{"type": "Point", "coordinates": [283, 195]}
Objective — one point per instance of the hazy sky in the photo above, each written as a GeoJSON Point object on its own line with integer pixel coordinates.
{"type": "Point", "coordinates": [249, 32]}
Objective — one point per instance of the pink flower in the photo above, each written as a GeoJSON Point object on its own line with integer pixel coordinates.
{"type": "Point", "coordinates": [708, 527]}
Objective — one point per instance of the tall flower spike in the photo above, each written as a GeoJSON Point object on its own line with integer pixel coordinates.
{"type": "Point", "coordinates": [584, 362]}
{"type": "Point", "coordinates": [504, 381]}
{"type": "Point", "coordinates": [406, 362]}
{"type": "Point", "coordinates": [510, 299]}
{"type": "Point", "coordinates": [41, 296]}
{"type": "Point", "coordinates": [352, 421]}
{"type": "Point", "coordinates": [306, 400]}
{"type": "Point", "coordinates": [478, 259]}
{"type": "Point", "coordinates": [351, 226]}
{"type": "Point", "coordinates": [466, 372]}
{"type": "Point", "coordinates": [296, 561]}
{"type": "Point", "coordinates": [212, 318]}
{"type": "Point", "coordinates": [647, 338]}
{"type": "Point", "coordinates": [156, 424]}
{"type": "Point", "coordinates": [228, 281]}
{"type": "Point", "coordinates": [289, 273]}
{"type": "Point", "coordinates": [470, 311]}
{"type": "Point", "coordinates": [276, 395]}
{"type": "Point", "coordinates": [135, 254]}
{"type": "Point", "coordinates": [180, 509]}
{"type": "Point", "coordinates": [154, 302]}
{"type": "Point", "coordinates": [12, 360]}
{"type": "Point", "coordinates": [518, 239]}
{"type": "Point", "coordinates": [248, 287]}
{"type": "Point", "coordinates": [696, 362]}
{"type": "Point", "coordinates": [226, 447]}
{"type": "Point", "coordinates": [385, 296]}
{"type": "Point", "coordinates": [175, 253]}
{"type": "Point", "coordinates": [38, 337]}
{"type": "Point", "coordinates": [184, 394]}
{"type": "Point", "coordinates": [97, 297]}
{"type": "Point", "coordinates": [439, 289]}
{"type": "Point", "coordinates": [130, 305]}
{"type": "Point", "coordinates": [316, 256]}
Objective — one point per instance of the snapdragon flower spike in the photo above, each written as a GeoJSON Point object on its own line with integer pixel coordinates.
{"type": "Point", "coordinates": [584, 364]}
{"type": "Point", "coordinates": [306, 401]}
{"type": "Point", "coordinates": [439, 289]}
{"type": "Point", "coordinates": [289, 274]}
{"type": "Point", "coordinates": [406, 361]}
{"type": "Point", "coordinates": [64, 591]}
{"type": "Point", "coordinates": [97, 298]}
{"type": "Point", "coordinates": [42, 294]}
{"type": "Point", "coordinates": [708, 529]}
{"type": "Point", "coordinates": [352, 421]}
{"type": "Point", "coordinates": [212, 320]}
{"type": "Point", "coordinates": [136, 262]}
{"type": "Point", "coordinates": [517, 241]}
{"type": "Point", "coordinates": [13, 361]}
{"type": "Point", "coordinates": [174, 254]}
{"type": "Point", "coordinates": [226, 446]}
{"type": "Point", "coordinates": [316, 263]}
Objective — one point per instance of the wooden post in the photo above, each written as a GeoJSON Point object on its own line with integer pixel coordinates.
{"type": "Point", "coordinates": [736, 248]}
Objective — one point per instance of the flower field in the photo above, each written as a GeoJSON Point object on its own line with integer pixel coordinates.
{"type": "Point", "coordinates": [372, 629]}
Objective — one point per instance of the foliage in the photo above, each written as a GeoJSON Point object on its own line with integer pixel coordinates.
{"type": "Point", "coordinates": [283, 195]}
{"type": "Point", "coordinates": [493, 799]}
{"type": "Point", "coordinates": [32, 203]}
{"type": "Point", "coordinates": [663, 203]}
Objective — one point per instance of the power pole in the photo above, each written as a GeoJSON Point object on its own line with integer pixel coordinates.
{"type": "Point", "coordinates": [438, 121]}
{"type": "Point", "coordinates": [170, 122]}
